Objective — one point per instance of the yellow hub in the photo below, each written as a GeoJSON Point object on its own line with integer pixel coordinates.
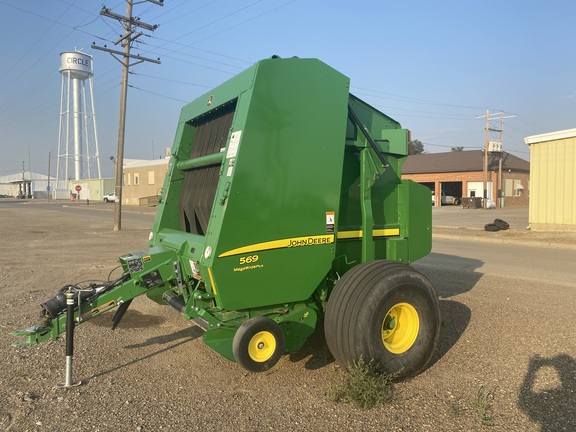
{"type": "Point", "coordinates": [262, 346]}
{"type": "Point", "coordinates": [400, 328]}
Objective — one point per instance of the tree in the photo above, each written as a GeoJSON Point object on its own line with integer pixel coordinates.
{"type": "Point", "coordinates": [454, 149]}
{"type": "Point", "coordinates": [415, 147]}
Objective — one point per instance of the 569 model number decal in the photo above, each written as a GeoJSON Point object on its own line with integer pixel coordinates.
{"type": "Point", "coordinates": [248, 259]}
{"type": "Point", "coordinates": [249, 262]}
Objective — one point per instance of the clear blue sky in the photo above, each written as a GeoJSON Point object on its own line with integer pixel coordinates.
{"type": "Point", "coordinates": [432, 65]}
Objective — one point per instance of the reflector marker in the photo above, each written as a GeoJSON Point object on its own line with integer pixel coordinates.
{"type": "Point", "coordinates": [212, 281]}
{"type": "Point", "coordinates": [386, 232]}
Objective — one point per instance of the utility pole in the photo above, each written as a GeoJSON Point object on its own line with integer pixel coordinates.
{"type": "Point", "coordinates": [493, 144]}
{"type": "Point", "coordinates": [486, 144]}
{"type": "Point", "coordinates": [24, 194]}
{"type": "Point", "coordinates": [48, 188]}
{"type": "Point", "coordinates": [130, 24]}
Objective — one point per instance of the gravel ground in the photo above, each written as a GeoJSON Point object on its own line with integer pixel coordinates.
{"type": "Point", "coordinates": [154, 372]}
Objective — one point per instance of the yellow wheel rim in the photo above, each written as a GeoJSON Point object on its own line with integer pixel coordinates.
{"type": "Point", "coordinates": [262, 346]}
{"type": "Point", "coordinates": [400, 328]}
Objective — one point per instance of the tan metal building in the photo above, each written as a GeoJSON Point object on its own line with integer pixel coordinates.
{"type": "Point", "coordinates": [553, 181]}
{"type": "Point", "coordinates": [143, 180]}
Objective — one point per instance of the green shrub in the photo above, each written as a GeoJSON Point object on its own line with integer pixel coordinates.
{"type": "Point", "coordinates": [483, 405]}
{"type": "Point", "coordinates": [365, 386]}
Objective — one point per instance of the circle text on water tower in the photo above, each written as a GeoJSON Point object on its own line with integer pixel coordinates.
{"type": "Point", "coordinates": [77, 64]}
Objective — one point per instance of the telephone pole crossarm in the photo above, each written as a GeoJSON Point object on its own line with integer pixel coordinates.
{"type": "Point", "coordinates": [123, 54]}
{"type": "Point", "coordinates": [129, 20]}
{"type": "Point", "coordinates": [156, 2]}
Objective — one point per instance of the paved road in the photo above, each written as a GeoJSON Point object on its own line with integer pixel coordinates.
{"type": "Point", "coordinates": [132, 216]}
{"type": "Point", "coordinates": [506, 260]}
{"type": "Point", "coordinates": [456, 216]}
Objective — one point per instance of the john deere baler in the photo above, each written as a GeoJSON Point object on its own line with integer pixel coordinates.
{"type": "Point", "coordinates": [283, 205]}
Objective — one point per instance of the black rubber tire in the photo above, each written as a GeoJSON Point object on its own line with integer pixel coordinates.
{"type": "Point", "coordinates": [503, 225]}
{"type": "Point", "coordinates": [244, 339]}
{"type": "Point", "coordinates": [358, 306]}
{"type": "Point", "coordinates": [491, 227]}
{"type": "Point", "coordinates": [106, 200]}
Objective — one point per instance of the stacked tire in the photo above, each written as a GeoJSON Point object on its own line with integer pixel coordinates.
{"type": "Point", "coordinates": [497, 225]}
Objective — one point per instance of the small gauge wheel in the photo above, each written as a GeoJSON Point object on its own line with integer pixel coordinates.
{"type": "Point", "coordinates": [258, 344]}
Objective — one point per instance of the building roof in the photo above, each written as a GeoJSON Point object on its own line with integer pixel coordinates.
{"type": "Point", "coordinates": [139, 163]}
{"type": "Point", "coordinates": [461, 161]}
{"type": "Point", "coordinates": [551, 136]}
{"type": "Point", "coordinates": [17, 177]}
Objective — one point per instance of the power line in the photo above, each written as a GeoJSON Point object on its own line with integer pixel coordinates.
{"type": "Point", "coordinates": [188, 55]}
{"type": "Point", "coordinates": [217, 20]}
{"type": "Point", "coordinates": [449, 146]}
{"type": "Point", "coordinates": [157, 94]}
{"type": "Point", "coordinates": [25, 54]}
{"type": "Point", "coordinates": [245, 21]}
{"type": "Point", "coordinates": [73, 5]}
{"type": "Point", "coordinates": [452, 115]}
{"type": "Point", "coordinates": [171, 80]}
{"type": "Point", "coordinates": [408, 99]}
{"type": "Point", "coordinates": [199, 49]}
{"type": "Point", "coordinates": [31, 90]}
{"type": "Point", "coordinates": [196, 64]}
{"type": "Point", "coordinates": [241, 23]}
{"type": "Point", "coordinates": [155, 18]}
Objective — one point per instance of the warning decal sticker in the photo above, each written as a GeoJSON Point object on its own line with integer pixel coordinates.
{"type": "Point", "coordinates": [330, 222]}
{"type": "Point", "coordinates": [234, 143]}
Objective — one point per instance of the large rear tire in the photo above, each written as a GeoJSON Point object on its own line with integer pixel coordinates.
{"type": "Point", "coordinates": [386, 311]}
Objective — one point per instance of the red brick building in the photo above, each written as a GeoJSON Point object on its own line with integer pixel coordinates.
{"type": "Point", "coordinates": [461, 174]}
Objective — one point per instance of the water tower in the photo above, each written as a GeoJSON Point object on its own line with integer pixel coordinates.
{"type": "Point", "coordinates": [77, 137]}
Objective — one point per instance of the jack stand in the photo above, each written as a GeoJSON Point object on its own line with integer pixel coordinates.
{"type": "Point", "coordinates": [69, 341]}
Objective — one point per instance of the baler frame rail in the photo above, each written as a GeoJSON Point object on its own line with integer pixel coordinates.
{"type": "Point", "coordinates": [364, 130]}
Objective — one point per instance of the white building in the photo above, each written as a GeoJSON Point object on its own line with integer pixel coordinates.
{"type": "Point", "coordinates": [27, 184]}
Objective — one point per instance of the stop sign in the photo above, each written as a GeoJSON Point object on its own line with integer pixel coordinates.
{"type": "Point", "coordinates": [78, 188]}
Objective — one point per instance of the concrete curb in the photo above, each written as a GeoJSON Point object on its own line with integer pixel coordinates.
{"type": "Point", "coordinates": [461, 235]}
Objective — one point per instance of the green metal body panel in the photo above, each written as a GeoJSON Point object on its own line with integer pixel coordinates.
{"type": "Point", "coordinates": [376, 203]}
{"type": "Point", "coordinates": [291, 135]}
{"type": "Point", "coordinates": [279, 182]}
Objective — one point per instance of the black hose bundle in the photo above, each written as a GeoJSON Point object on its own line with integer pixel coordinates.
{"type": "Point", "coordinates": [56, 305]}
